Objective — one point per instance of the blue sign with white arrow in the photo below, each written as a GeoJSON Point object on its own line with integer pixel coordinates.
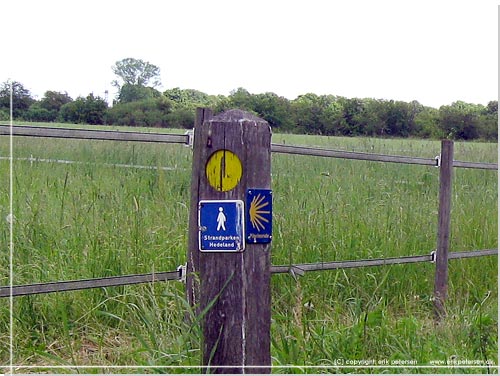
{"type": "Point", "coordinates": [221, 226]}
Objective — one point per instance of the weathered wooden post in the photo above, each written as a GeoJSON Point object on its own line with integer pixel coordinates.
{"type": "Point", "coordinates": [443, 234]}
{"type": "Point", "coordinates": [229, 240]}
{"type": "Point", "coordinates": [192, 278]}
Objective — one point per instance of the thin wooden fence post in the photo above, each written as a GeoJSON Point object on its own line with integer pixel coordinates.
{"type": "Point", "coordinates": [443, 233]}
{"type": "Point", "coordinates": [230, 198]}
{"type": "Point", "coordinates": [193, 257]}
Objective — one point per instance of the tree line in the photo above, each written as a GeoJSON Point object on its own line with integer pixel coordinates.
{"type": "Point", "coordinates": [140, 103]}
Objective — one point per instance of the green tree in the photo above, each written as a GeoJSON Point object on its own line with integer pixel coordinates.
{"type": "Point", "coordinates": [488, 122]}
{"type": "Point", "coordinates": [331, 114]}
{"type": "Point", "coordinates": [89, 110]}
{"type": "Point", "coordinates": [47, 109]}
{"type": "Point", "coordinates": [73, 112]}
{"type": "Point", "coordinates": [242, 99]}
{"type": "Point", "coordinates": [318, 114]}
{"type": "Point", "coordinates": [54, 100]}
{"type": "Point", "coordinates": [274, 109]}
{"type": "Point", "coordinates": [306, 111]}
{"type": "Point", "coordinates": [136, 72]}
{"type": "Point", "coordinates": [21, 99]}
{"type": "Point", "coordinates": [38, 113]}
{"type": "Point", "coordinates": [137, 80]}
{"type": "Point", "coordinates": [353, 118]}
{"type": "Point", "coordinates": [132, 93]}
{"type": "Point", "coordinates": [181, 118]}
{"type": "Point", "coordinates": [427, 123]}
{"type": "Point", "coordinates": [400, 117]}
{"type": "Point", "coordinates": [460, 120]}
{"type": "Point", "coordinates": [361, 117]}
{"type": "Point", "coordinates": [189, 99]}
{"type": "Point", "coordinates": [145, 113]}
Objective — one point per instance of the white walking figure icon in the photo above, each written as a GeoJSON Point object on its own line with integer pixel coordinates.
{"type": "Point", "coordinates": [221, 220]}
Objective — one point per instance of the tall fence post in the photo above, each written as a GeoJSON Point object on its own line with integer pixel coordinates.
{"type": "Point", "coordinates": [193, 257]}
{"type": "Point", "coordinates": [443, 233]}
{"type": "Point", "coordinates": [231, 162]}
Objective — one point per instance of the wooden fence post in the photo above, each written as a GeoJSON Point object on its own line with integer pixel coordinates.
{"type": "Point", "coordinates": [193, 257]}
{"type": "Point", "coordinates": [443, 233]}
{"type": "Point", "coordinates": [232, 158]}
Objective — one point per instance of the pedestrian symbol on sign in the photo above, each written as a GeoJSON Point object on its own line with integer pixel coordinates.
{"type": "Point", "coordinates": [221, 219]}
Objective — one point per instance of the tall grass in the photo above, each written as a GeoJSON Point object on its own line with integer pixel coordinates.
{"type": "Point", "coordinates": [91, 220]}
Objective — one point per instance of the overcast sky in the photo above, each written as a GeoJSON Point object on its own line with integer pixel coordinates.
{"type": "Point", "coordinates": [432, 51]}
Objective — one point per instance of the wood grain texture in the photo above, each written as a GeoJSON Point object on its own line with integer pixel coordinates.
{"type": "Point", "coordinates": [234, 286]}
{"type": "Point", "coordinates": [193, 256]}
{"type": "Point", "coordinates": [443, 233]}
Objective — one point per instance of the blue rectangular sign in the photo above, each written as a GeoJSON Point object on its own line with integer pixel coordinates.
{"type": "Point", "coordinates": [259, 218]}
{"type": "Point", "coordinates": [221, 226]}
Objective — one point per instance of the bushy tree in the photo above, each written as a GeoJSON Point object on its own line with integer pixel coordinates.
{"type": "Point", "coordinates": [89, 110]}
{"type": "Point", "coordinates": [488, 122]}
{"type": "Point", "coordinates": [274, 109]}
{"type": "Point", "coordinates": [306, 112]}
{"type": "Point", "coordinates": [145, 113]}
{"type": "Point", "coordinates": [189, 98]}
{"type": "Point", "coordinates": [427, 124]}
{"type": "Point", "coordinates": [460, 120]}
{"type": "Point", "coordinates": [399, 117]}
{"type": "Point", "coordinates": [133, 93]}
{"type": "Point", "coordinates": [47, 109]}
{"type": "Point", "coordinates": [135, 77]}
{"type": "Point", "coordinates": [136, 72]}
{"type": "Point", "coordinates": [21, 99]}
{"type": "Point", "coordinates": [241, 98]}
{"type": "Point", "coordinates": [37, 113]}
{"type": "Point", "coordinates": [181, 118]}
{"type": "Point", "coordinates": [355, 116]}
{"type": "Point", "coordinates": [54, 100]}
{"type": "Point", "coordinates": [4, 114]}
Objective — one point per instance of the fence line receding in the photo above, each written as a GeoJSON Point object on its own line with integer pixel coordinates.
{"type": "Point", "coordinates": [179, 274]}
{"type": "Point", "coordinates": [88, 134]}
{"type": "Point", "coordinates": [186, 139]}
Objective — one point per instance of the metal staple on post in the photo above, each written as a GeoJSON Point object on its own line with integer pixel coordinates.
{"type": "Point", "coordinates": [190, 134]}
{"type": "Point", "coordinates": [182, 273]}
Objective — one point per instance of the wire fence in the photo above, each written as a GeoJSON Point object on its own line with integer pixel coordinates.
{"type": "Point", "coordinates": [187, 139]}
{"type": "Point", "coordinates": [33, 160]}
{"type": "Point", "coordinates": [180, 273]}
{"type": "Point", "coordinates": [88, 134]}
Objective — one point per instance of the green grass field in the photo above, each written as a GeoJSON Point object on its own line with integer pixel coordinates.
{"type": "Point", "coordinates": [75, 221]}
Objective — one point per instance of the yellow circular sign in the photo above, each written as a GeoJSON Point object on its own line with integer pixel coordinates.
{"type": "Point", "coordinates": [223, 170]}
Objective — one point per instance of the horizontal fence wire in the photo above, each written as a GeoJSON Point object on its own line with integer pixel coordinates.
{"type": "Point", "coordinates": [87, 134]}
{"type": "Point", "coordinates": [186, 139]}
{"type": "Point", "coordinates": [64, 161]}
{"type": "Point", "coordinates": [300, 269]}
{"type": "Point", "coordinates": [45, 288]}
{"type": "Point", "coordinates": [320, 152]}
{"type": "Point", "coordinates": [478, 165]}
{"type": "Point", "coordinates": [295, 269]}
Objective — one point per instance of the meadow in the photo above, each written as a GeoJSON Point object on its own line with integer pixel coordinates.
{"type": "Point", "coordinates": [75, 221]}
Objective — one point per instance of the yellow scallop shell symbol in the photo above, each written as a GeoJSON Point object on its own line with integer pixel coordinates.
{"type": "Point", "coordinates": [223, 170]}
